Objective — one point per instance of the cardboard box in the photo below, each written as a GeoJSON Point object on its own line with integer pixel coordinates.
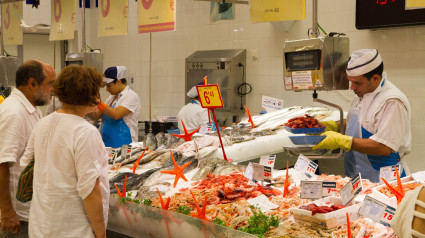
{"type": "Point", "coordinates": [331, 219]}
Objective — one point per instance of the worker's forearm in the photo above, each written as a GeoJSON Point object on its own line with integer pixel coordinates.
{"type": "Point", "coordinates": [94, 208]}
{"type": "Point", "coordinates": [5, 200]}
{"type": "Point", "coordinates": [370, 147]}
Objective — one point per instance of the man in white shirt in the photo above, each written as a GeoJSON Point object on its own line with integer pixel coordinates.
{"type": "Point", "coordinates": [18, 116]}
{"type": "Point", "coordinates": [378, 123]}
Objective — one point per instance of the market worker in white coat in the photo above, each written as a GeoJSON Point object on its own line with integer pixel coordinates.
{"type": "Point", "coordinates": [120, 112]}
{"type": "Point", "coordinates": [378, 131]}
{"type": "Point", "coordinates": [18, 116]}
{"type": "Point", "coordinates": [192, 114]}
{"type": "Point", "coordinates": [70, 184]}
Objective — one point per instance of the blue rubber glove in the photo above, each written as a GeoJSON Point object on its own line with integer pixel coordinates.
{"type": "Point", "coordinates": [334, 140]}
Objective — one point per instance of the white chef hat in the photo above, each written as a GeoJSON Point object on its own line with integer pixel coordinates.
{"type": "Point", "coordinates": [113, 73]}
{"type": "Point", "coordinates": [193, 93]}
{"type": "Point", "coordinates": [363, 61]}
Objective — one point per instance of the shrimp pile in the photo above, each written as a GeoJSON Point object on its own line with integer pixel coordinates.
{"type": "Point", "coordinates": [406, 187]}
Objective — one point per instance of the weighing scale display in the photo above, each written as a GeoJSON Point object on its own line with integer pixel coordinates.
{"type": "Point", "coordinates": [303, 60]}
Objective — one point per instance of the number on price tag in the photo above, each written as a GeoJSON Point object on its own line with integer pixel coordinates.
{"type": "Point", "coordinates": [305, 166]}
{"type": "Point", "coordinates": [351, 189]}
{"type": "Point", "coordinates": [209, 96]}
{"type": "Point", "coordinates": [388, 173]}
{"type": "Point", "coordinates": [268, 160]}
{"type": "Point", "coordinates": [329, 189]}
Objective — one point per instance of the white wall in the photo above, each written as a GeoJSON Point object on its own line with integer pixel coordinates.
{"type": "Point", "coordinates": [402, 49]}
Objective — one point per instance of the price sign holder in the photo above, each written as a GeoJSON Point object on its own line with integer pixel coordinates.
{"type": "Point", "coordinates": [388, 173]}
{"type": "Point", "coordinates": [377, 211]}
{"type": "Point", "coordinates": [210, 97]}
{"type": "Point", "coordinates": [351, 189]}
{"type": "Point", "coordinates": [305, 166]}
{"type": "Point", "coordinates": [317, 189]}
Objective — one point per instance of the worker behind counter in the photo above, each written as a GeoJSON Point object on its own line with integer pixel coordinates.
{"type": "Point", "coordinates": [378, 131]}
{"type": "Point", "coordinates": [18, 116]}
{"type": "Point", "coordinates": [192, 114]}
{"type": "Point", "coordinates": [120, 112]}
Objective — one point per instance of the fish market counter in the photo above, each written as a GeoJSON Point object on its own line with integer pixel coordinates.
{"type": "Point", "coordinates": [138, 220]}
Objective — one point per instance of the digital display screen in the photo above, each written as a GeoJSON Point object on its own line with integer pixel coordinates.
{"type": "Point", "coordinates": [372, 14]}
{"type": "Point", "coordinates": [304, 60]}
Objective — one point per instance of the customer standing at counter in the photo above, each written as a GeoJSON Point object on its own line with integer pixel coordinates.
{"type": "Point", "coordinates": [378, 124]}
{"type": "Point", "coordinates": [120, 112]}
{"type": "Point", "coordinates": [18, 116]}
{"type": "Point", "coordinates": [192, 114]}
{"type": "Point", "coordinates": [70, 186]}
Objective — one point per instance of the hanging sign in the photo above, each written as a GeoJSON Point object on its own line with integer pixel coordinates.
{"type": "Point", "coordinates": [276, 10]}
{"type": "Point", "coordinates": [113, 18]}
{"type": "Point", "coordinates": [156, 15]}
{"type": "Point", "coordinates": [209, 96]}
{"type": "Point", "coordinates": [63, 20]}
{"type": "Point", "coordinates": [11, 14]}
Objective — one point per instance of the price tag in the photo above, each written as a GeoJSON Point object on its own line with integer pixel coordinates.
{"type": "Point", "coordinates": [268, 160]}
{"type": "Point", "coordinates": [263, 203]}
{"type": "Point", "coordinates": [311, 189]}
{"type": "Point", "coordinates": [328, 189]}
{"type": "Point", "coordinates": [126, 152]}
{"type": "Point", "coordinates": [377, 211]}
{"type": "Point", "coordinates": [351, 189]}
{"type": "Point", "coordinates": [271, 104]}
{"type": "Point", "coordinates": [388, 173]}
{"type": "Point", "coordinates": [209, 96]}
{"type": "Point", "coordinates": [257, 172]}
{"type": "Point", "coordinates": [305, 166]}
{"type": "Point", "coordinates": [302, 80]}
{"type": "Point", "coordinates": [419, 177]}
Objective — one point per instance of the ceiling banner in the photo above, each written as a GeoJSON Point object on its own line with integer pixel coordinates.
{"type": "Point", "coordinates": [277, 10]}
{"type": "Point", "coordinates": [113, 17]}
{"type": "Point", "coordinates": [63, 19]}
{"type": "Point", "coordinates": [156, 15]}
{"type": "Point", "coordinates": [11, 15]}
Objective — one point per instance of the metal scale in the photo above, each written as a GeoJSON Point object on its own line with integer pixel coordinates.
{"type": "Point", "coordinates": [318, 64]}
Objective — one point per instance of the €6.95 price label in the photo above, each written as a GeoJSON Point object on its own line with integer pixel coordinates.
{"type": "Point", "coordinates": [351, 189]}
{"type": "Point", "coordinates": [209, 96]}
{"type": "Point", "coordinates": [377, 211]}
{"type": "Point", "coordinates": [305, 166]}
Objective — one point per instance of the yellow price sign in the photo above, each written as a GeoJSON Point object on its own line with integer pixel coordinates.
{"type": "Point", "coordinates": [209, 96]}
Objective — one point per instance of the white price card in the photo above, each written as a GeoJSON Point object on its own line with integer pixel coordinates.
{"type": "Point", "coordinates": [305, 166]}
{"type": "Point", "coordinates": [271, 104]}
{"type": "Point", "coordinates": [263, 203]}
{"type": "Point", "coordinates": [328, 188]}
{"type": "Point", "coordinates": [257, 172]}
{"type": "Point", "coordinates": [268, 160]}
{"type": "Point", "coordinates": [388, 173]}
{"type": "Point", "coordinates": [267, 174]}
{"type": "Point", "coordinates": [311, 189]}
{"type": "Point", "coordinates": [377, 210]}
{"type": "Point", "coordinates": [249, 171]}
{"type": "Point", "coordinates": [351, 189]}
{"type": "Point", "coordinates": [419, 177]}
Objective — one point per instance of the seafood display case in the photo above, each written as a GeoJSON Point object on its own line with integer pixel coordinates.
{"type": "Point", "coordinates": [227, 69]}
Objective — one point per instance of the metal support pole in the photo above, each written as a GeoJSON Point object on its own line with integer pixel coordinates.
{"type": "Point", "coordinates": [83, 27]}
{"type": "Point", "coordinates": [314, 30]}
{"type": "Point", "coordinates": [150, 83]}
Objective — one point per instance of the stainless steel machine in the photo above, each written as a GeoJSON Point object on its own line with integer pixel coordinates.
{"type": "Point", "coordinates": [225, 68]}
{"type": "Point", "coordinates": [87, 59]}
{"type": "Point", "coordinates": [316, 64]}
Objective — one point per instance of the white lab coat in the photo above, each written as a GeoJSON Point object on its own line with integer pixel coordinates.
{"type": "Point", "coordinates": [130, 100]}
{"type": "Point", "coordinates": [193, 116]}
{"type": "Point", "coordinates": [17, 119]}
{"type": "Point", "coordinates": [69, 157]}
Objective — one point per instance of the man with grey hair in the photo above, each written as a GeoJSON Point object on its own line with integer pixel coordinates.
{"type": "Point", "coordinates": [378, 123]}
{"type": "Point", "coordinates": [18, 116]}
